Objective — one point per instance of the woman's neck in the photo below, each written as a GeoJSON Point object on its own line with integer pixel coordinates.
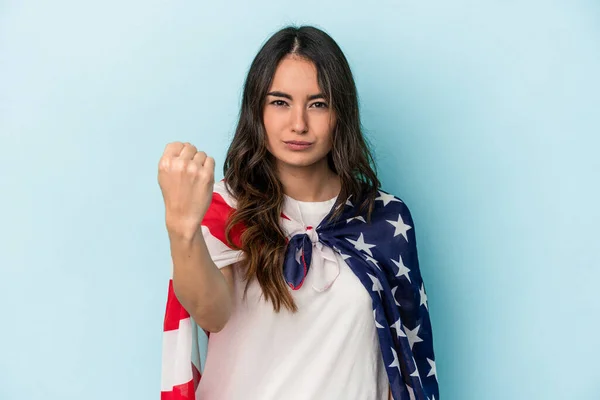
{"type": "Point", "coordinates": [313, 183]}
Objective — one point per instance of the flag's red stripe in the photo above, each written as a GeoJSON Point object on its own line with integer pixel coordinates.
{"type": "Point", "coordinates": [180, 392]}
{"type": "Point", "coordinates": [174, 312]}
{"type": "Point", "coordinates": [195, 376]}
{"type": "Point", "coordinates": [216, 220]}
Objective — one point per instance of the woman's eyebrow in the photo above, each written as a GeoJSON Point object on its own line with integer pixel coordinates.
{"type": "Point", "coordinates": [288, 96]}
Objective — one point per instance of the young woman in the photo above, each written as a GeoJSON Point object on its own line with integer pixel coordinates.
{"type": "Point", "coordinates": [303, 272]}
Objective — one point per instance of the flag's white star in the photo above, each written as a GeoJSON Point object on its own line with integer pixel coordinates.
{"type": "Point", "coordinates": [386, 198]}
{"type": "Point", "coordinates": [298, 256]}
{"type": "Point", "coordinates": [398, 326]}
{"type": "Point", "coordinates": [344, 256]}
{"type": "Point", "coordinates": [395, 363]}
{"type": "Point", "coordinates": [394, 295]}
{"type": "Point", "coordinates": [423, 296]}
{"type": "Point", "coordinates": [411, 393]}
{"type": "Point", "coordinates": [374, 261]}
{"type": "Point", "coordinates": [433, 370]}
{"type": "Point", "coordinates": [361, 245]}
{"type": "Point", "coordinates": [360, 218]}
{"type": "Point", "coordinates": [416, 371]}
{"type": "Point", "coordinates": [402, 269]}
{"type": "Point", "coordinates": [377, 324]}
{"type": "Point", "coordinates": [401, 227]}
{"type": "Point", "coordinates": [413, 335]}
{"type": "Point", "coordinates": [376, 284]}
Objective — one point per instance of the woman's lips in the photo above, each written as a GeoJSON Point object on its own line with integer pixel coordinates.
{"type": "Point", "coordinates": [297, 145]}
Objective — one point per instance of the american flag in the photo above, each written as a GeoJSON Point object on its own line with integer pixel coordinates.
{"type": "Point", "coordinates": [382, 254]}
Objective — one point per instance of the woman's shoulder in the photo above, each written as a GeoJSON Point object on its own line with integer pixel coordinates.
{"type": "Point", "coordinates": [221, 193]}
{"type": "Point", "coordinates": [387, 197]}
{"type": "Point", "coordinates": [387, 202]}
{"type": "Point", "coordinates": [220, 187]}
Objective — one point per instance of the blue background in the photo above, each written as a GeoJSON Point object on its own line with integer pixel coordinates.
{"type": "Point", "coordinates": [483, 116]}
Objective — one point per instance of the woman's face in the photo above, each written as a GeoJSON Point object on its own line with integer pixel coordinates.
{"type": "Point", "coordinates": [298, 120]}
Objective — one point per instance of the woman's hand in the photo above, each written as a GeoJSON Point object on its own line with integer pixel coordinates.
{"type": "Point", "coordinates": [186, 179]}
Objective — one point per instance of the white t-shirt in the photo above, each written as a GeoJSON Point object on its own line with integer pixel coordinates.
{"type": "Point", "coordinates": [328, 349]}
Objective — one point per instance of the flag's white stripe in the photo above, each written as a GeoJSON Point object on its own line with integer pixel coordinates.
{"type": "Point", "coordinates": [196, 346]}
{"type": "Point", "coordinates": [220, 253]}
{"type": "Point", "coordinates": [177, 356]}
{"type": "Point", "coordinates": [219, 188]}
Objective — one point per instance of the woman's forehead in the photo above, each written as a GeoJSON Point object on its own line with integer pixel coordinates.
{"type": "Point", "coordinates": [296, 76]}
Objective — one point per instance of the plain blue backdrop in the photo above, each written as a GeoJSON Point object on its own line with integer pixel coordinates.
{"type": "Point", "coordinates": [484, 117]}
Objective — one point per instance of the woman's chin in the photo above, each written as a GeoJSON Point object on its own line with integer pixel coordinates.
{"type": "Point", "coordinates": [299, 162]}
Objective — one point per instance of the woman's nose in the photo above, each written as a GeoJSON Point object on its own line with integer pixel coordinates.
{"type": "Point", "coordinates": [299, 122]}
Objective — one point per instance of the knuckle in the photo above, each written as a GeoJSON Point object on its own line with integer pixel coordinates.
{"type": "Point", "coordinates": [164, 163]}
{"type": "Point", "coordinates": [192, 168]}
{"type": "Point", "coordinates": [177, 164]}
{"type": "Point", "coordinates": [203, 175]}
{"type": "Point", "coordinates": [172, 145]}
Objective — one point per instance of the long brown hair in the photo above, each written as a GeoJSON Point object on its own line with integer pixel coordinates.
{"type": "Point", "coordinates": [249, 168]}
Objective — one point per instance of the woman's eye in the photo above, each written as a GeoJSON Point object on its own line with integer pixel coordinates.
{"type": "Point", "coordinates": [320, 104]}
{"type": "Point", "coordinates": [279, 103]}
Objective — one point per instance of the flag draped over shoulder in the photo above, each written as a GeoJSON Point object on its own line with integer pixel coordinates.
{"type": "Point", "coordinates": [381, 253]}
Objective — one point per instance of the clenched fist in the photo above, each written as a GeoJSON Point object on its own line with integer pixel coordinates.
{"type": "Point", "coordinates": [186, 179]}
